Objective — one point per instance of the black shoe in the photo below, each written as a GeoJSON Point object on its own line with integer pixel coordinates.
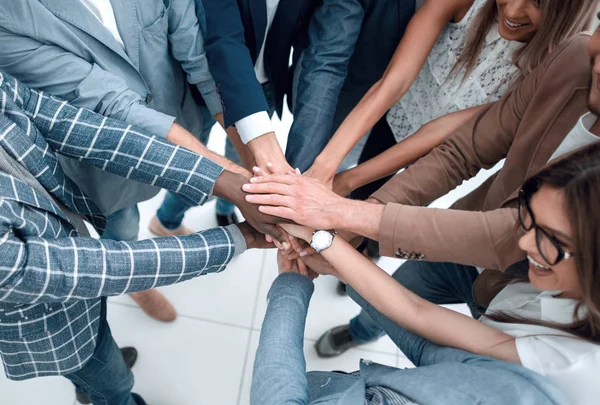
{"type": "Point", "coordinates": [335, 342]}
{"type": "Point", "coordinates": [130, 355]}
{"type": "Point", "coordinates": [341, 289]}
{"type": "Point", "coordinates": [225, 220]}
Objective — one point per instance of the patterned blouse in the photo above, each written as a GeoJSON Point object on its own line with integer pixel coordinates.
{"type": "Point", "coordinates": [437, 91]}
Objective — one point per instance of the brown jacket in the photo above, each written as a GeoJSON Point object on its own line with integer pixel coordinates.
{"type": "Point", "coordinates": [525, 126]}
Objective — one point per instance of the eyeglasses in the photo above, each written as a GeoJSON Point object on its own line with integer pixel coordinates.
{"type": "Point", "coordinates": [548, 246]}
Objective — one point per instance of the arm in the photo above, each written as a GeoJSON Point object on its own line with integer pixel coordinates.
{"type": "Point", "coordinates": [487, 137]}
{"type": "Point", "coordinates": [187, 47]}
{"type": "Point", "coordinates": [50, 68]}
{"type": "Point", "coordinates": [435, 323]}
{"type": "Point", "coordinates": [280, 369]}
{"type": "Point", "coordinates": [402, 154]}
{"type": "Point", "coordinates": [333, 32]}
{"type": "Point", "coordinates": [484, 239]}
{"type": "Point", "coordinates": [418, 40]}
{"type": "Point", "coordinates": [84, 135]}
{"type": "Point", "coordinates": [242, 94]}
{"type": "Point", "coordinates": [36, 269]}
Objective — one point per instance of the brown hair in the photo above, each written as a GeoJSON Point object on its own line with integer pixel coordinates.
{"type": "Point", "coordinates": [560, 20]}
{"type": "Point", "coordinates": [578, 176]}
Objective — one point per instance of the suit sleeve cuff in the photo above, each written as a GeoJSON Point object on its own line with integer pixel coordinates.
{"type": "Point", "coordinates": [253, 126]}
{"type": "Point", "coordinates": [238, 239]}
{"type": "Point", "coordinates": [387, 229]}
{"type": "Point", "coordinates": [153, 121]}
{"type": "Point", "coordinates": [211, 97]}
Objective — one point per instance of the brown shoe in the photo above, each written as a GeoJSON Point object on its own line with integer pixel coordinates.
{"type": "Point", "coordinates": [159, 230]}
{"type": "Point", "coordinates": [155, 305]}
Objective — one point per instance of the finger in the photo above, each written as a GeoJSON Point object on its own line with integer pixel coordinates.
{"type": "Point", "coordinates": [271, 199]}
{"type": "Point", "coordinates": [296, 244]}
{"type": "Point", "coordinates": [281, 212]}
{"type": "Point", "coordinates": [312, 274]}
{"type": "Point", "coordinates": [258, 172]}
{"type": "Point", "coordinates": [268, 238]}
{"type": "Point", "coordinates": [268, 188]}
{"type": "Point", "coordinates": [275, 178]}
{"type": "Point", "coordinates": [307, 252]}
{"type": "Point", "coordinates": [302, 267]}
{"type": "Point", "coordinates": [278, 234]}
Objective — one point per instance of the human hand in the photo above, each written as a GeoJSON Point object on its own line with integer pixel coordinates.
{"type": "Point", "coordinates": [229, 186]}
{"type": "Point", "coordinates": [341, 184]}
{"type": "Point", "coordinates": [268, 154]}
{"type": "Point", "coordinates": [294, 266]}
{"type": "Point", "coordinates": [324, 176]}
{"type": "Point", "coordinates": [301, 199]}
{"type": "Point", "coordinates": [253, 238]}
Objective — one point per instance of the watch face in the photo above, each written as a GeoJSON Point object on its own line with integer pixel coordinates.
{"type": "Point", "coordinates": [322, 239]}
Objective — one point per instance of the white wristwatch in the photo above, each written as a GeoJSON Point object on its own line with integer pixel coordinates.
{"type": "Point", "coordinates": [322, 239]}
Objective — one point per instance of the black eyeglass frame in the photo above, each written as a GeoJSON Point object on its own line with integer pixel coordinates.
{"type": "Point", "coordinates": [523, 201]}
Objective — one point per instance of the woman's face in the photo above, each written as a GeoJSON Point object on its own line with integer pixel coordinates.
{"type": "Point", "coordinates": [519, 20]}
{"type": "Point", "coordinates": [549, 212]}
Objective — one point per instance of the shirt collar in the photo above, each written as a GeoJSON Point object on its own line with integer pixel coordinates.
{"type": "Point", "coordinates": [559, 310]}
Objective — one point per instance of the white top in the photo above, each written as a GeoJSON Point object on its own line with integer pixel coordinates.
{"type": "Point", "coordinates": [104, 12]}
{"type": "Point", "coordinates": [437, 92]}
{"type": "Point", "coordinates": [579, 136]}
{"type": "Point", "coordinates": [255, 125]}
{"type": "Point", "coordinates": [571, 363]}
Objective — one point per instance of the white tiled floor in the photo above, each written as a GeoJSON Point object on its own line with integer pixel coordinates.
{"type": "Point", "coordinates": [206, 356]}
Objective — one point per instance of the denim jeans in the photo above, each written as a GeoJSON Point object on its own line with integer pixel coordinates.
{"type": "Point", "coordinates": [171, 212]}
{"type": "Point", "coordinates": [443, 375]}
{"type": "Point", "coordinates": [123, 225]}
{"type": "Point", "coordinates": [440, 283]}
{"type": "Point", "coordinates": [105, 378]}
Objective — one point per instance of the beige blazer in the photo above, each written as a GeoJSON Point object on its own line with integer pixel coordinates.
{"type": "Point", "coordinates": [525, 126]}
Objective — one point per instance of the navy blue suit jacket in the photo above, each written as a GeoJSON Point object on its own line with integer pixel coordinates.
{"type": "Point", "coordinates": [235, 30]}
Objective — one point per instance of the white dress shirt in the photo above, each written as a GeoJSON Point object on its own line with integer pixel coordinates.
{"type": "Point", "coordinates": [104, 12]}
{"type": "Point", "coordinates": [257, 124]}
{"type": "Point", "coordinates": [571, 363]}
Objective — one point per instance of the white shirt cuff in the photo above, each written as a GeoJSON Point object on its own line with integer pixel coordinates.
{"type": "Point", "coordinates": [253, 126]}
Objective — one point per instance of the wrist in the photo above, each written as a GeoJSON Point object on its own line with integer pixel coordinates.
{"type": "Point", "coordinates": [229, 186]}
{"type": "Point", "coordinates": [264, 145]}
{"type": "Point", "coordinates": [324, 167]}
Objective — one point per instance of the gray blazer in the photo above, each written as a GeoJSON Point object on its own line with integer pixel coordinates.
{"type": "Point", "coordinates": [60, 47]}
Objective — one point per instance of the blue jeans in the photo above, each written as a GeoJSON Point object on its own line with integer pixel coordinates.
{"type": "Point", "coordinates": [123, 225]}
{"type": "Point", "coordinates": [105, 378]}
{"type": "Point", "coordinates": [171, 212]}
{"type": "Point", "coordinates": [443, 375]}
{"type": "Point", "coordinates": [440, 283]}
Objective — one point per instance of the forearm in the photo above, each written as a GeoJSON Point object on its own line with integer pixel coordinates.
{"type": "Point", "coordinates": [179, 136]}
{"type": "Point", "coordinates": [406, 152]}
{"type": "Point", "coordinates": [359, 217]}
{"type": "Point", "coordinates": [242, 149]}
{"type": "Point", "coordinates": [367, 112]}
{"type": "Point", "coordinates": [280, 369]}
{"type": "Point", "coordinates": [67, 269]}
{"type": "Point", "coordinates": [435, 323]}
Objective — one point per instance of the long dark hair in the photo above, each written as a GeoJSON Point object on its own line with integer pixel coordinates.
{"type": "Point", "coordinates": [560, 20]}
{"type": "Point", "coordinates": [578, 176]}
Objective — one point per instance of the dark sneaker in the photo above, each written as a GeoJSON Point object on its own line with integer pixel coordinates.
{"type": "Point", "coordinates": [225, 220]}
{"type": "Point", "coordinates": [335, 342]}
{"type": "Point", "coordinates": [341, 289]}
{"type": "Point", "coordinates": [129, 355]}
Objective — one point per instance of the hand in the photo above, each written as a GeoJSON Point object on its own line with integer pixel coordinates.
{"type": "Point", "coordinates": [298, 231]}
{"type": "Point", "coordinates": [297, 198]}
{"type": "Point", "coordinates": [266, 150]}
{"type": "Point", "coordinates": [340, 184]}
{"type": "Point", "coordinates": [319, 264]}
{"type": "Point", "coordinates": [324, 176]}
{"type": "Point", "coordinates": [229, 186]}
{"type": "Point", "coordinates": [253, 238]}
{"type": "Point", "coordinates": [294, 266]}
